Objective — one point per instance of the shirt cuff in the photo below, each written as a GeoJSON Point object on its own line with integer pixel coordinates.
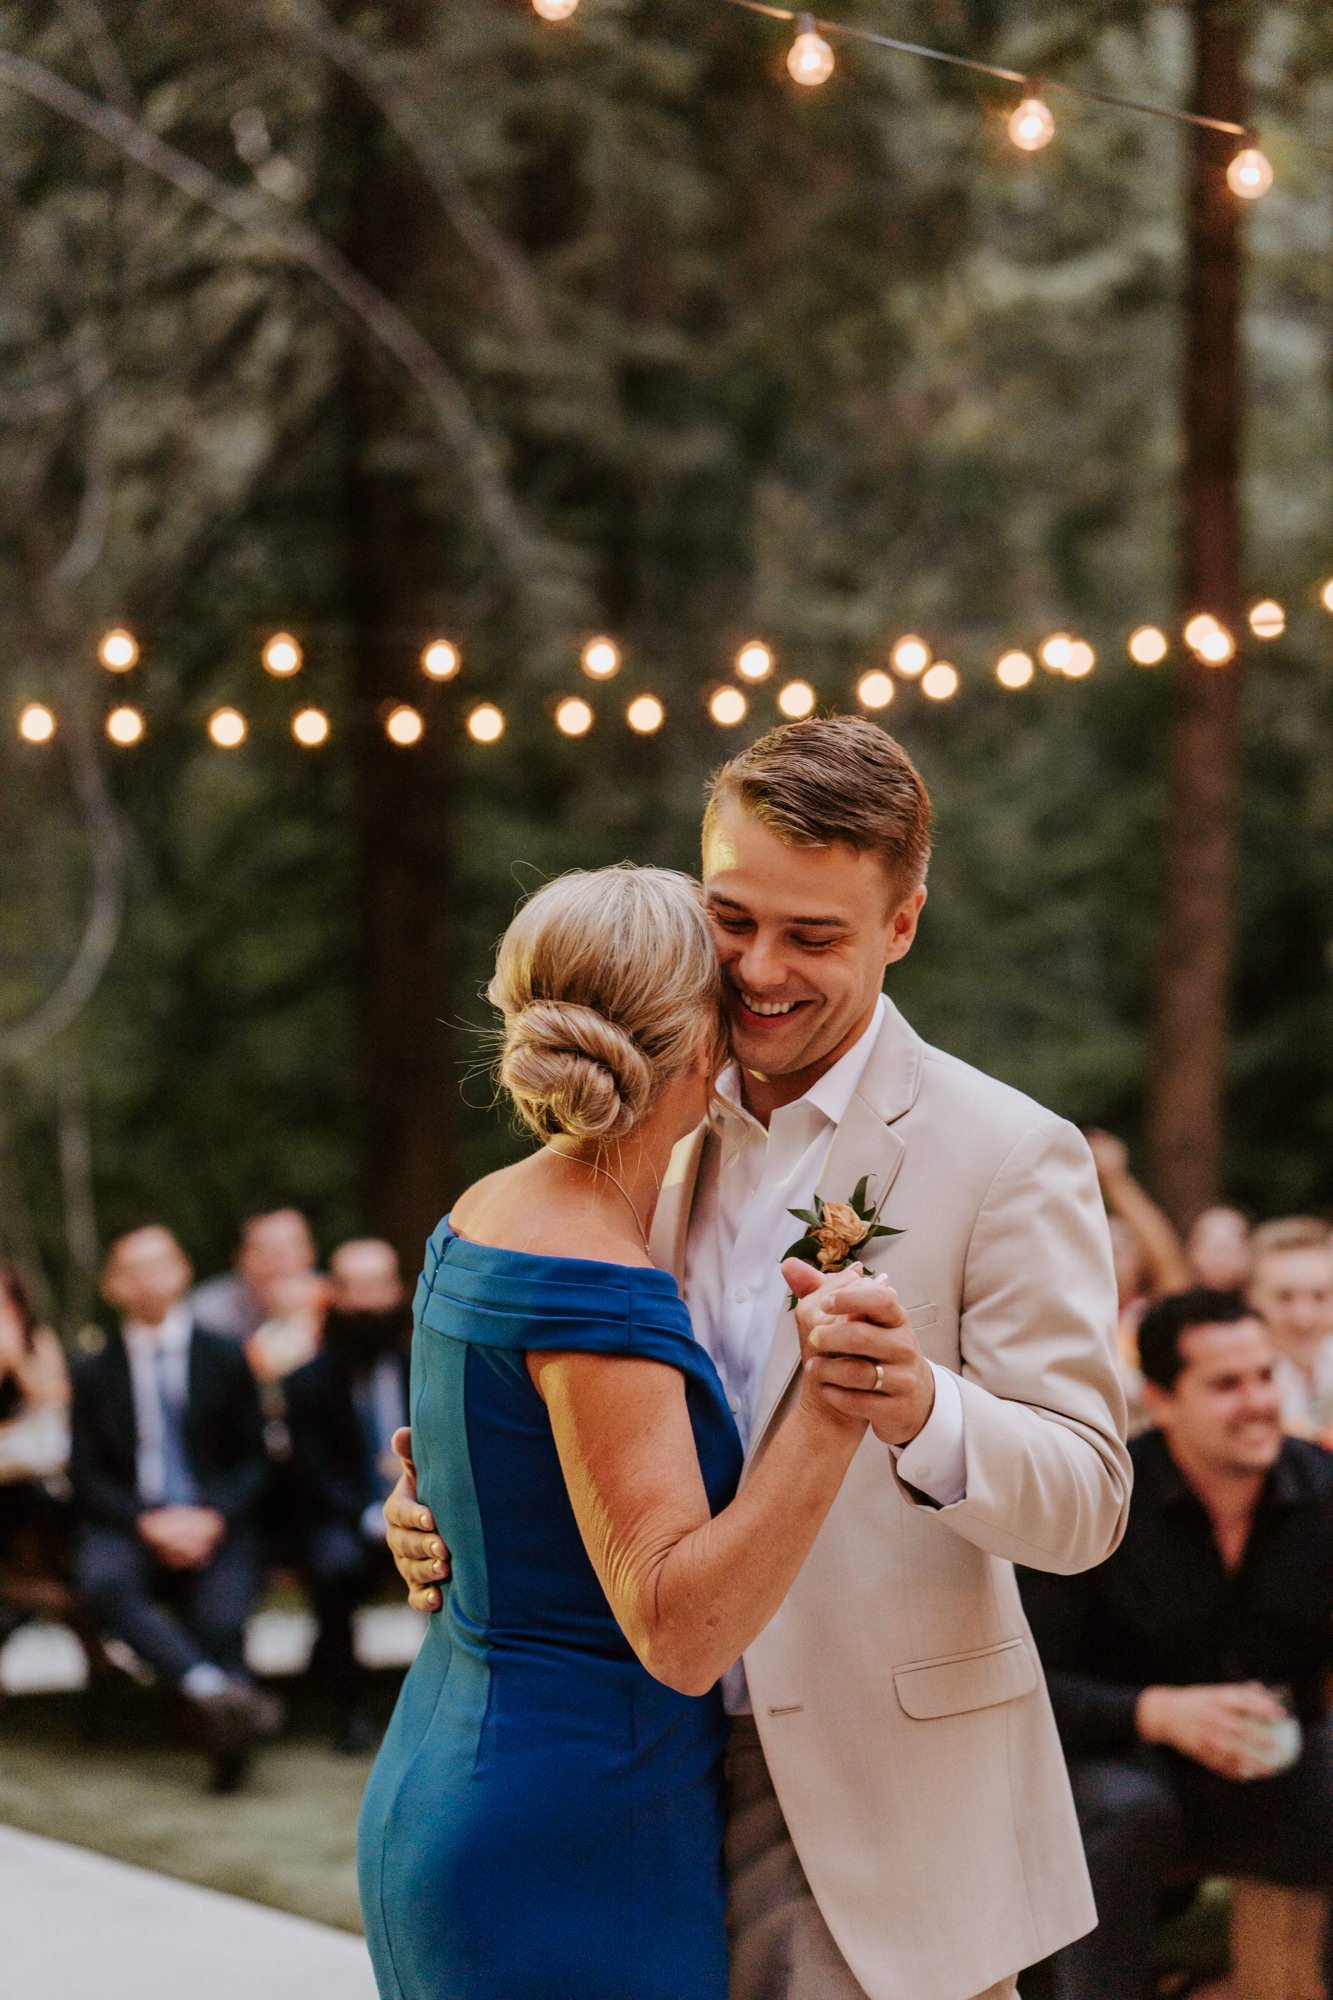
{"type": "Point", "coordinates": [935, 1462]}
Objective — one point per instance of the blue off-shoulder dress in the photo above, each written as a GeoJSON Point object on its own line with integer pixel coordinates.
{"type": "Point", "coordinates": [544, 1819]}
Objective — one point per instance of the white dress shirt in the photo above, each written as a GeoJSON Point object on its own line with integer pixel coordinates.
{"type": "Point", "coordinates": [143, 1344]}
{"type": "Point", "coordinates": [749, 1177]}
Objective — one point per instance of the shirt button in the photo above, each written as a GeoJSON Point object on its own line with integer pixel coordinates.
{"type": "Point", "coordinates": [741, 1295]}
{"type": "Point", "coordinates": [734, 1403]}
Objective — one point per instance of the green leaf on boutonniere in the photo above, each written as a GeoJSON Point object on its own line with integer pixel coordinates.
{"type": "Point", "coordinates": [858, 1201]}
{"type": "Point", "coordinates": [807, 1249]}
{"type": "Point", "coordinates": [809, 1215]}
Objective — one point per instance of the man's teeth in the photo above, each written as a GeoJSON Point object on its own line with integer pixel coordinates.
{"type": "Point", "coordinates": [767, 1007]}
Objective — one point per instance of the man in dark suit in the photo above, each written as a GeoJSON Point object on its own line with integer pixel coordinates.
{"type": "Point", "coordinates": [168, 1469]}
{"type": "Point", "coordinates": [342, 1410]}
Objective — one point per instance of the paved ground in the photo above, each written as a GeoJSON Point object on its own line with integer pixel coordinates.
{"type": "Point", "coordinates": [73, 1924]}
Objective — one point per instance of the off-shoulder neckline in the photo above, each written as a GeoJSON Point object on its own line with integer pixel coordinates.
{"type": "Point", "coordinates": [550, 1257]}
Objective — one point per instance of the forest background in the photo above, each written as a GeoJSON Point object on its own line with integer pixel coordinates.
{"type": "Point", "coordinates": [376, 322]}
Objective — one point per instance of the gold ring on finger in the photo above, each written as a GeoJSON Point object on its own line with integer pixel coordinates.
{"type": "Point", "coordinates": [878, 1385]}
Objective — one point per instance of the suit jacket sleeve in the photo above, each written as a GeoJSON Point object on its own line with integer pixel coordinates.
{"type": "Point", "coordinates": [326, 1482]}
{"type": "Point", "coordinates": [1048, 1475]}
{"type": "Point", "coordinates": [237, 1484]}
{"type": "Point", "coordinates": [101, 1490]}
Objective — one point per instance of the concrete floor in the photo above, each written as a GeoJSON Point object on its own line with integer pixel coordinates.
{"type": "Point", "coordinates": [74, 1925]}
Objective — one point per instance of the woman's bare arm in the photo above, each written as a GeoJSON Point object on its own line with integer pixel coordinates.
{"type": "Point", "coordinates": [689, 1591]}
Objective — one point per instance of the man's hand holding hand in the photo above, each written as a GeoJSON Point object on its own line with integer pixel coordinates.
{"type": "Point", "coordinates": [1219, 1727]}
{"type": "Point", "coordinates": [873, 1367]}
{"type": "Point", "coordinates": [182, 1537]}
{"type": "Point", "coordinates": [419, 1555]}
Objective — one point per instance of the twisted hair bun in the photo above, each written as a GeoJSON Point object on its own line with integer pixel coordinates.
{"type": "Point", "coordinates": [570, 1070]}
{"type": "Point", "coordinates": [606, 982]}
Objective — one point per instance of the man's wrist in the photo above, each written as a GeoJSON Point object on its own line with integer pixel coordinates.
{"type": "Point", "coordinates": [1150, 1715]}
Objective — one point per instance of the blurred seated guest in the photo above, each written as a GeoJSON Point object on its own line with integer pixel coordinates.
{"type": "Point", "coordinates": [168, 1469]}
{"type": "Point", "coordinates": [1149, 1260]}
{"type": "Point", "coordinates": [291, 1335]}
{"type": "Point", "coordinates": [1291, 1288]}
{"type": "Point", "coordinates": [34, 1454]}
{"type": "Point", "coordinates": [1187, 1673]}
{"type": "Point", "coordinates": [1217, 1248]}
{"type": "Point", "coordinates": [343, 1409]}
{"type": "Point", "coordinates": [275, 1247]}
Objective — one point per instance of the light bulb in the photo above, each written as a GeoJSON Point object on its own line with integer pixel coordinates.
{"type": "Point", "coordinates": [1250, 174]}
{"type": "Point", "coordinates": [1215, 648]}
{"type": "Point", "coordinates": [228, 728]}
{"type": "Point", "coordinates": [1014, 670]}
{"type": "Point", "coordinates": [1147, 646]}
{"type": "Point", "coordinates": [1326, 595]}
{"type": "Point", "coordinates": [1031, 125]}
{"type": "Point", "coordinates": [940, 682]}
{"type": "Point", "coordinates": [875, 689]}
{"type": "Point", "coordinates": [1081, 660]}
{"type": "Point", "coordinates": [601, 659]}
{"type": "Point", "coordinates": [754, 662]}
{"type": "Point", "coordinates": [1267, 619]}
{"type": "Point", "coordinates": [37, 723]}
{"type": "Point", "coordinates": [728, 706]}
{"type": "Point", "coordinates": [1055, 652]}
{"type": "Point", "coordinates": [809, 59]}
{"type": "Point", "coordinates": [797, 700]}
{"type": "Point", "coordinates": [573, 717]}
{"type": "Point", "coordinates": [403, 725]}
{"type": "Point", "coordinates": [555, 10]}
{"type": "Point", "coordinates": [911, 656]}
{"type": "Point", "coordinates": [441, 660]}
{"type": "Point", "coordinates": [118, 650]}
{"type": "Point", "coordinates": [486, 724]}
{"type": "Point", "coordinates": [124, 726]}
{"type": "Point", "coordinates": [1199, 629]}
{"type": "Point", "coordinates": [282, 655]}
{"type": "Point", "coordinates": [310, 727]}
{"type": "Point", "coordinates": [645, 714]}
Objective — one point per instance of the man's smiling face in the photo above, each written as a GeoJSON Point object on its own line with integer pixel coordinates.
{"type": "Point", "coordinates": [804, 935]}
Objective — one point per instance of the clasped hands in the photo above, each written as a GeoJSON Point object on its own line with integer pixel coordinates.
{"type": "Point", "coordinates": [858, 1348]}
{"type": "Point", "coordinates": [182, 1537]}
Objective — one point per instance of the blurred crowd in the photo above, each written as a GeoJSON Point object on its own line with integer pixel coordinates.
{"type": "Point", "coordinates": [210, 1435]}
{"type": "Point", "coordinates": [207, 1437]}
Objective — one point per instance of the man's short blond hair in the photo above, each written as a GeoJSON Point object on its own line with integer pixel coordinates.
{"type": "Point", "coordinates": [1288, 1232]}
{"type": "Point", "coordinates": [831, 779]}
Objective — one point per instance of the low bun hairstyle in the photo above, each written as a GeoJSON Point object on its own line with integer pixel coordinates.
{"type": "Point", "coordinates": [605, 981]}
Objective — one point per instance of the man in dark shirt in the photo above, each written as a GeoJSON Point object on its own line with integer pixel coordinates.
{"type": "Point", "coordinates": [1177, 1668]}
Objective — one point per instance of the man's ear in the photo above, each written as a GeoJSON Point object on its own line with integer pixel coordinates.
{"type": "Point", "coordinates": [1158, 1404]}
{"type": "Point", "coordinates": [902, 925]}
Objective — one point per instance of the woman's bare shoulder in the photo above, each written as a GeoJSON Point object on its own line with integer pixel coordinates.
{"type": "Point", "coordinates": [507, 1212]}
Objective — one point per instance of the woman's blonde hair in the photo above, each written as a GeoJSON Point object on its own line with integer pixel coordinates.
{"type": "Point", "coordinates": [605, 981]}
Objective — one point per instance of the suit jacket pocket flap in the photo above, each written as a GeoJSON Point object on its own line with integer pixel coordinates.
{"type": "Point", "coordinates": [951, 1686]}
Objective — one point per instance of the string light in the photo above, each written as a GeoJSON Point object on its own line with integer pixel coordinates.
{"type": "Point", "coordinates": [1054, 652]}
{"type": "Point", "coordinates": [310, 727]}
{"type": "Point", "coordinates": [940, 682]}
{"type": "Point", "coordinates": [601, 659]}
{"type": "Point", "coordinates": [1014, 670]}
{"type": "Point", "coordinates": [486, 724]}
{"type": "Point", "coordinates": [1267, 619]}
{"type": "Point", "coordinates": [1147, 646]}
{"type": "Point", "coordinates": [555, 10]}
{"type": "Point", "coordinates": [573, 717]}
{"type": "Point", "coordinates": [810, 60]}
{"type": "Point", "coordinates": [727, 706]}
{"type": "Point", "coordinates": [1199, 629]}
{"type": "Point", "coordinates": [875, 689]}
{"type": "Point", "coordinates": [1250, 174]}
{"type": "Point", "coordinates": [118, 650]}
{"type": "Point", "coordinates": [645, 715]}
{"type": "Point", "coordinates": [124, 726]}
{"type": "Point", "coordinates": [1081, 660]}
{"type": "Point", "coordinates": [441, 660]}
{"type": "Point", "coordinates": [911, 656]}
{"type": "Point", "coordinates": [37, 723]}
{"type": "Point", "coordinates": [797, 700]}
{"type": "Point", "coordinates": [403, 725]}
{"type": "Point", "coordinates": [1031, 125]}
{"type": "Point", "coordinates": [1326, 595]}
{"type": "Point", "coordinates": [282, 656]}
{"type": "Point", "coordinates": [754, 662]}
{"type": "Point", "coordinates": [228, 728]}
{"type": "Point", "coordinates": [1216, 647]}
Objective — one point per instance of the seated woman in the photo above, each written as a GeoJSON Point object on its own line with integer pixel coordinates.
{"type": "Point", "coordinates": [544, 1820]}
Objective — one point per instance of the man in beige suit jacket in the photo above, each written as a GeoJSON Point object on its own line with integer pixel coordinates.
{"type": "Point", "coordinates": [900, 1823]}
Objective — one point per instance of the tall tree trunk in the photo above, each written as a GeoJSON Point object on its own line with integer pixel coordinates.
{"type": "Point", "coordinates": [1188, 1069]}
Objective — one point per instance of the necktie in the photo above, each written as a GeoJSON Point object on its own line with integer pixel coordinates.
{"type": "Point", "coordinates": [179, 1488]}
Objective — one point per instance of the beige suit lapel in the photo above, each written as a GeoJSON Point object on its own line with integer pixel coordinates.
{"type": "Point", "coordinates": [671, 1217]}
{"type": "Point", "coordinates": [864, 1143]}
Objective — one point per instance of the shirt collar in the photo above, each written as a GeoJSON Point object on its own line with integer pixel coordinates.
{"type": "Point", "coordinates": [1282, 1488]}
{"type": "Point", "coordinates": [170, 1336]}
{"type": "Point", "coordinates": [830, 1094]}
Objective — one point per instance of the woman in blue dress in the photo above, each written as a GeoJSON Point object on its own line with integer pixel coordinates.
{"type": "Point", "coordinates": [544, 1819]}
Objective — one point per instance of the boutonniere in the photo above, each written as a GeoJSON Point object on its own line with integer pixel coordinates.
{"type": "Point", "coordinates": [834, 1229]}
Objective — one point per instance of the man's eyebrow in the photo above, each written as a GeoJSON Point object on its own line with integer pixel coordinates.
{"type": "Point", "coordinates": [803, 923]}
